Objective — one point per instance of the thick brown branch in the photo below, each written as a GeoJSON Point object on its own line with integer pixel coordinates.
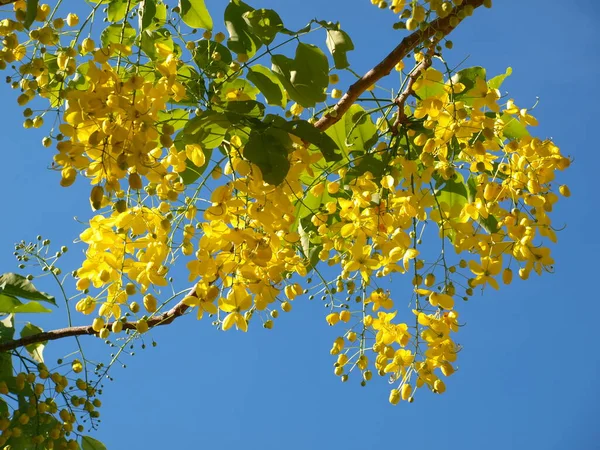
{"type": "Point", "coordinates": [408, 44]}
{"type": "Point", "coordinates": [162, 319]}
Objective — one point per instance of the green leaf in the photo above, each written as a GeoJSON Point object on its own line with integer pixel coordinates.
{"type": "Point", "coordinates": [490, 223]}
{"type": "Point", "coordinates": [150, 38]}
{"type": "Point", "coordinates": [429, 90]}
{"type": "Point", "coordinates": [11, 305]}
{"type": "Point", "coordinates": [35, 350]}
{"type": "Point", "coordinates": [117, 10]}
{"type": "Point", "coordinates": [192, 172]}
{"type": "Point", "coordinates": [497, 81]}
{"type": "Point", "coordinates": [194, 14]}
{"type": "Point", "coordinates": [208, 129]}
{"type": "Point", "coordinates": [7, 328]}
{"type": "Point", "coordinates": [242, 39]}
{"type": "Point", "coordinates": [148, 13]}
{"type": "Point", "coordinates": [306, 76]}
{"type": "Point", "coordinates": [239, 84]}
{"type": "Point", "coordinates": [19, 286]}
{"type": "Point", "coordinates": [30, 12]}
{"type": "Point", "coordinates": [309, 204]}
{"type": "Point", "coordinates": [175, 117]}
{"type": "Point", "coordinates": [194, 85]}
{"type": "Point", "coordinates": [454, 193]}
{"type": "Point", "coordinates": [89, 443]}
{"type": "Point", "coordinates": [203, 57]}
{"type": "Point", "coordinates": [153, 15]}
{"type": "Point", "coordinates": [355, 131]}
{"type": "Point", "coordinates": [7, 332]}
{"type": "Point", "coordinates": [339, 44]}
{"type": "Point", "coordinates": [118, 33]}
{"type": "Point", "coordinates": [307, 132]}
{"type": "Point", "coordinates": [513, 128]}
{"type": "Point", "coordinates": [265, 23]}
{"type": "Point", "coordinates": [248, 108]}
{"type": "Point", "coordinates": [468, 77]}
{"type": "Point", "coordinates": [304, 240]}
{"type": "Point", "coordinates": [269, 151]}
{"type": "Point", "coordinates": [368, 162]}
{"type": "Point", "coordinates": [269, 85]}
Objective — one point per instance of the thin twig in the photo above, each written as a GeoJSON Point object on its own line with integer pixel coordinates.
{"type": "Point", "coordinates": [408, 44]}
{"type": "Point", "coordinates": [408, 90]}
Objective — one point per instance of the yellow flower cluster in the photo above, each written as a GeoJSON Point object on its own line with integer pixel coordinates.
{"type": "Point", "coordinates": [113, 127]}
{"type": "Point", "coordinates": [499, 217]}
{"type": "Point", "coordinates": [460, 157]}
{"type": "Point", "coordinates": [128, 245]}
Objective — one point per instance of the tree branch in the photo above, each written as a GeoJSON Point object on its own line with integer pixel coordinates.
{"type": "Point", "coordinates": [408, 44]}
{"type": "Point", "coordinates": [408, 90]}
{"type": "Point", "coordinates": [163, 319]}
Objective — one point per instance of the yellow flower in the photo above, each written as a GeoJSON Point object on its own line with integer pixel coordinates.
{"type": "Point", "coordinates": [486, 271]}
{"type": "Point", "coordinates": [238, 299]}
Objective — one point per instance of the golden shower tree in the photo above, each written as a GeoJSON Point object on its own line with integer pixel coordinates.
{"type": "Point", "coordinates": [235, 157]}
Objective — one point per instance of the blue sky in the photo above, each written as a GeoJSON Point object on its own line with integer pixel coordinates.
{"type": "Point", "coordinates": [528, 372]}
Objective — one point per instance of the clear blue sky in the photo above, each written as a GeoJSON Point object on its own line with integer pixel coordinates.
{"type": "Point", "coordinates": [529, 370]}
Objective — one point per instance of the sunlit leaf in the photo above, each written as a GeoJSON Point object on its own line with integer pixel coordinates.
{"type": "Point", "coordinates": [269, 85]}
{"type": "Point", "coordinates": [513, 128]}
{"type": "Point", "coordinates": [355, 131]}
{"type": "Point", "coordinates": [150, 38]}
{"type": "Point", "coordinates": [242, 39]}
{"type": "Point", "coordinates": [497, 81]}
{"type": "Point", "coordinates": [205, 56]}
{"type": "Point", "coordinates": [12, 305]}
{"type": "Point", "coordinates": [454, 193]}
{"type": "Point", "coordinates": [339, 44]}
{"type": "Point", "coordinates": [116, 10]}
{"type": "Point", "coordinates": [19, 286]}
{"type": "Point", "coordinates": [35, 350]}
{"type": "Point", "coordinates": [118, 33]}
{"type": "Point", "coordinates": [194, 14]}
{"type": "Point", "coordinates": [208, 129]}
{"type": "Point", "coordinates": [265, 23]}
{"type": "Point", "coordinates": [89, 443]}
